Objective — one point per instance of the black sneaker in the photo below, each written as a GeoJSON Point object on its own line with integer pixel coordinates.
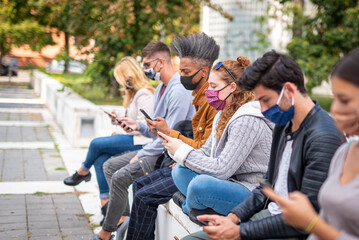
{"type": "Point", "coordinates": [76, 179]}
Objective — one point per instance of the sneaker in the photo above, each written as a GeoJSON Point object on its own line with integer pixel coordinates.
{"type": "Point", "coordinates": [76, 179]}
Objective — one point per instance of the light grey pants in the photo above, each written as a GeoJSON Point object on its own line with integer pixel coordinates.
{"type": "Point", "coordinates": [203, 236]}
{"type": "Point", "coordinates": [120, 174]}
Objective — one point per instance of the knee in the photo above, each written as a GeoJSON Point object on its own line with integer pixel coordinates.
{"type": "Point", "coordinates": [117, 177]}
{"type": "Point", "coordinates": [177, 172]}
{"type": "Point", "coordinates": [108, 169]}
{"type": "Point", "coordinates": [140, 196]}
{"type": "Point", "coordinates": [200, 184]}
{"type": "Point", "coordinates": [136, 185]}
{"type": "Point", "coordinates": [95, 143]}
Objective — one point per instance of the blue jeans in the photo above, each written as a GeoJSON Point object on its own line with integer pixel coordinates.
{"type": "Point", "coordinates": [100, 150]}
{"type": "Point", "coordinates": [204, 191]}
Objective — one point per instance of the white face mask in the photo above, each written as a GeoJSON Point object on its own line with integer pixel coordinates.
{"type": "Point", "coordinates": [152, 74]}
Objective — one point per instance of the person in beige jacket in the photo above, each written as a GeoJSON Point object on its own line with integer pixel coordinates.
{"type": "Point", "coordinates": [138, 93]}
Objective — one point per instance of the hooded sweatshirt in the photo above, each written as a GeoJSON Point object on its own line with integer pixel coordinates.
{"type": "Point", "coordinates": [240, 154]}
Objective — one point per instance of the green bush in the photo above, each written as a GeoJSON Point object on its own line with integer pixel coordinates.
{"type": "Point", "coordinates": [83, 85]}
{"type": "Point", "coordinates": [324, 101]}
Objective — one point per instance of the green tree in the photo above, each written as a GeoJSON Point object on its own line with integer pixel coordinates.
{"type": "Point", "coordinates": [320, 40]}
{"type": "Point", "coordinates": [124, 27]}
{"type": "Point", "coordinates": [58, 14]}
{"type": "Point", "coordinates": [19, 27]}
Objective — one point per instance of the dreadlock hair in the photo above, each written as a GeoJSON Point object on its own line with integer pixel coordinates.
{"type": "Point", "coordinates": [240, 96]}
{"type": "Point", "coordinates": [202, 49]}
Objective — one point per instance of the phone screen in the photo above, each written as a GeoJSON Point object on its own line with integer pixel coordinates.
{"type": "Point", "coordinates": [146, 115]}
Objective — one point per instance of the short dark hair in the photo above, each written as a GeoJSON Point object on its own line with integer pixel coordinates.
{"type": "Point", "coordinates": [201, 48]}
{"type": "Point", "coordinates": [272, 70]}
{"type": "Point", "coordinates": [347, 68]}
{"type": "Point", "coordinates": [155, 47]}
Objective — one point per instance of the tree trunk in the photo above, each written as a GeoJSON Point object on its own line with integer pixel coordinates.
{"type": "Point", "coordinates": [67, 52]}
{"type": "Point", "coordinates": [297, 21]}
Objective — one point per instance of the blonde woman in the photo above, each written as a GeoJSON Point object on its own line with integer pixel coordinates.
{"type": "Point", "coordinates": [138, 94]}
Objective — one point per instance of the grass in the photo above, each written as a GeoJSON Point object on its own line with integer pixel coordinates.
{"type": "Point", "coordinates": [81, 84]}
{"type": "Point", "coordinates": [60, 169]}
{"type": "Point", "coordinates": [41, 193]}
{"type": "Point", "coordinates": [324, 101]}
{"type": "Point", "coordinates": [15, 84]}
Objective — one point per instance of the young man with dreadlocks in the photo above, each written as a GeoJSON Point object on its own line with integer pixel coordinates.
{"type": "Point", "coordinates": [197, 52]}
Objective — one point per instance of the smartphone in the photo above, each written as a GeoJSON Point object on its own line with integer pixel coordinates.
{"type": "Point", "coordinates": [202, 223]}
{"type": "Point", "coordinates": [146, 115]}
{"type": "Point", "coordinates": [195, 220]}
{"type": "Point", "coordinates": [263, 182]}
{"type": "Point", "coordinates": [108, 113]}
{"type": "Point", "coordinates": [120, 122]}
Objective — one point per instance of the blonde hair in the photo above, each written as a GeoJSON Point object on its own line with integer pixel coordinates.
{"type": "Point", "coordinates": [129, 68]}
{"type": "Point", "coordinates": [239, 96]}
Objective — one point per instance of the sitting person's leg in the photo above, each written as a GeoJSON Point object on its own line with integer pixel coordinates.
{"type": "Point", "coordinates": [149, 179]}
{"type": "Point", "coordinates": [152, 190]}
{"type": "Point", "coordinates": [117, 171]}
{"type": "Point", "coordinates": [101, 179]}
{"type": "Point", "coordinates": [182, 176]}
{"type": "Point", "coordinates": [111, 145]}
{"type": "Point", "coordinates": [123, 176]}
{"type": "Point", "coordinates": [115, 163]}
{"type": "Point", "coordinates": [196, 236]}
{"type": "Point", "coordinates": [205, 191]}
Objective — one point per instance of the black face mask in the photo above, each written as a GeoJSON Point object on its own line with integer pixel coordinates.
{"type": "Point", "coordinates": [187, 81]}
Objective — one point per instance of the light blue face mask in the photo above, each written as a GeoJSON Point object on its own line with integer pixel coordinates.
{"type": "Point", "coordinates": [276, 115]}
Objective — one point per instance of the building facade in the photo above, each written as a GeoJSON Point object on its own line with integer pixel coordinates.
{"type": "Point", "coordinates": [240, 36]}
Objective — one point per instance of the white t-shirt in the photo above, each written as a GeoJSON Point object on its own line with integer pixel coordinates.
{"type": "Point", "coordinates": [281, 185]}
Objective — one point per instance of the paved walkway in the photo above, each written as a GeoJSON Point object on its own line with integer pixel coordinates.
{"type": "Point", "coordinates": [34, 203]}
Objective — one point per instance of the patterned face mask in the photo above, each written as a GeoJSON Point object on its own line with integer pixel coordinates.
{"type": "Point", "coordinates": [214, 100]}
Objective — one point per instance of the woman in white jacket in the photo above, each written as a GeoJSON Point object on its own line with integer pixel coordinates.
{"type": "Point", "coordinates": [138, 94]}
{"type": "Point", "coordinates": [237, 150]}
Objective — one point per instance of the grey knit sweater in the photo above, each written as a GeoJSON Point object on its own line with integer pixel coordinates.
{"type": "Point", "coordinates": [241, 154]}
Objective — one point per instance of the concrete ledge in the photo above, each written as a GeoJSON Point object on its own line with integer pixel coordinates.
{"type": "Point", "coordinates": [171, 221]}
{"type": "Point", "coordinates": [79, 119]}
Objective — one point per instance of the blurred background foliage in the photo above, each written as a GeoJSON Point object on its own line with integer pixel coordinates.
{"type": "Point", "coordinates": [321, 38]}
{"type": "Point", "coordinates": [117, 28]}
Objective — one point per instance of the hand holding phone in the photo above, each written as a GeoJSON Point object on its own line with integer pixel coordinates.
{"type": "Point", "coordinates": [194, 219]}
{"type": "Point", "coordinates": [124, 125]}
{"type": "Point", "coordinates": [148, 117]}
{"type": "Point", "coordinates": [111, 115]}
